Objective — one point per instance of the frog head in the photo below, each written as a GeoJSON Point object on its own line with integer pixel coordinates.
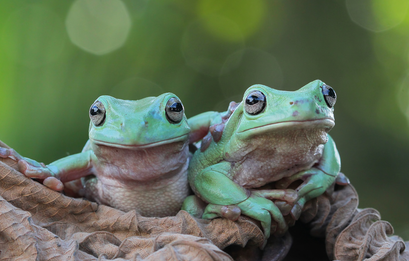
{"type": "Point", "coordinates": [144, 123]}
{"type": "Point", "coordinates": [266, 110]}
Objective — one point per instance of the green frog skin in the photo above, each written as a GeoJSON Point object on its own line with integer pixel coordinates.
{"type": "Point", "coordinates": [271, 136]}
{"type": "Point", "coordinates": [137, 150]}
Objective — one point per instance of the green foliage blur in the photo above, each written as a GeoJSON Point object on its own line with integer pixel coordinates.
{"type": "Point", "coordinates": [57, 57]}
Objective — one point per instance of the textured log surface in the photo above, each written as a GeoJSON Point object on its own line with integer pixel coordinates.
{"type": "Point", "coordinates": [40, 224]}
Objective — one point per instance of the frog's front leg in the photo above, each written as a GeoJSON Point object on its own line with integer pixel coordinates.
{"type": "Point", "coordinates": [33, 169]}
{"type": "Point", "coordinates": [315, 184]}
{"type": "Point", "coordinates": [214, 186]}
{"type": "Point", "coordinates": [73, 168]}
{"type": "Point", "coordinates": [58, 172]}
{"type": "Point", "coordinates": [317, 179]}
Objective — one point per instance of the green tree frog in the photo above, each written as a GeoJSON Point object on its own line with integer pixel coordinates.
{"type": "Point", "coordinates": [271, 136]}
{"type": "Point", "coordinates": [137, 150]}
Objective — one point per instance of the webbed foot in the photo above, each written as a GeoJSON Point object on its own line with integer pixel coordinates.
{"type": "Point", "coordinates": [286, 198]}
{"type": "Point", "coordinates": [315, 183]}
{"type": "Point", "coordinates": [264, 210]}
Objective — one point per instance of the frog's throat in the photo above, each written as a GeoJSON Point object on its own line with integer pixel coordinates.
{"type": "Point", "coordinates": [141, 146]}
{"type": "Point", "coordinates": [325, 123]}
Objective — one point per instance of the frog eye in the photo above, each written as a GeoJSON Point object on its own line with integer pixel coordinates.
{"type": "Point", "coordinates": [97, 113]}
{"type": "Point", "coordinates": [329, 95]}
{"type": "Point", "coordinates": [255, 102]}
{"type": "Point", "coordinates": [174, 110]}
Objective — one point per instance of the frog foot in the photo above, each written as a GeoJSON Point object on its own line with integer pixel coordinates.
{"type": "Point", "coordinates": [10, 153]}
{"type": "Point", "coordinates": [294, 209]}
{"type": "Point", "coordinates": [264, 210]}
{"type": "Point", "coordinates": [40, 171]}
{"type": "Point", "coordinates": [53, 184]}
{"type": "Point", "coordinates": [307, 190]}
{"type": "Point", "coordinates": [315, 183]}
{"type": "Point", "coordinates": [297, 209]}
{"type": "Point", "coordinates": [231, 212]}
{"type": "Point", "coordinates": [200, 209]}
{"type": "Point", "coordinates": [33, 169]}
{"type": "Point", "coordinates": [285, 198]}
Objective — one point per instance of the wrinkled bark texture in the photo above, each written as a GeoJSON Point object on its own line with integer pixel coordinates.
{"type": "Point", "coordinates": [39, 224]}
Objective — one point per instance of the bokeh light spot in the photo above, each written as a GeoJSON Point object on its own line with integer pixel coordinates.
{"type": "Point", "coordinates": [246, 14]}
{"type": "Point", "coordinates": [98, 26]}
{"type": "Point", "coordinates": [206, 53]}
{"type": "Point", "coordinates": [256, 67]}
{"type": "Point", "coordinates": [33, 36]}
{"type": "Point", "coordinates": [377, 15]}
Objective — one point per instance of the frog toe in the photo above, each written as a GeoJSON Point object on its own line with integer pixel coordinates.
{"type": "Point", "coordinates": [231, 212]}
{"type": "Point", "coordinates": [10, 153]}
{"type": "Point", "coordinates": [265, 211]}
{"type": "Point", "coordinates": [265, 220]}
{"type": "Point", "coordinates": [288, 195]}
{"type": "Point", "coordinates": [284, 207]}
{"type": "Point", "coordinates": [278, 228]}
{"type": "Point", "coordinates": [297, 209]}
{"type": "Point", "coordinates": [212, 211]}
{"type": "Point", "coordinates": [4, 153]}
{"type": "Point", "coordinates": [33, 171]}
{"type": "Point", "coordinates": [53, 183]}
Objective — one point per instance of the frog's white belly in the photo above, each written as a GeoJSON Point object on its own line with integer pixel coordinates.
{"type": "Point", "coordinates": [151, 201]}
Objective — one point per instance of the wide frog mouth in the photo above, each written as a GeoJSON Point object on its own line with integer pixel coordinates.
{"type": "Point", "coordinates": [140, 146]}
{"type": "Point", "coordinates": [324, 123]}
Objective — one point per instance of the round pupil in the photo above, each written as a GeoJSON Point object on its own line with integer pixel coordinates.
{"type": "Point", "coordinates": [253, 99]}
{"type": "Point", "coordinates": [177, 107]}
{"type": "Point", "coordinates": [95, 110]}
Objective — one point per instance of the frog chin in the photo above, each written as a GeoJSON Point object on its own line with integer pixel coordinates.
{"type": "Point", "coordinates": [326, 124]}
{"type": "Point", "coordinates": [137, 146]}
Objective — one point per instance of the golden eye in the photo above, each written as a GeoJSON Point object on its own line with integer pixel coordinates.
{"type": "Point", "coordinates": [97, 113]}
{"type": "Point", "coordinates": [174, 110]}
{"type": "Point", "coordinates": [255, 102]}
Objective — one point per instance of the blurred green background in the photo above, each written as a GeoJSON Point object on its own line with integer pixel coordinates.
{"type": "Point", "coordinates": [57, 57]}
